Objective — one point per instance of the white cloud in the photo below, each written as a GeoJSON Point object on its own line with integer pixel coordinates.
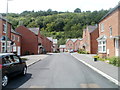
{"type": "Point", "coordinates": [18, 6]}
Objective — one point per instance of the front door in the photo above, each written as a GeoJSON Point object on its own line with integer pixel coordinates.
{"type": "Point", "coordinates": [117, 51]}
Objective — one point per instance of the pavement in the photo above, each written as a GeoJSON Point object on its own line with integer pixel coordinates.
{"type": "Point", "coordinates": [107, 70]}
{"type": "Point", "coordinates": [32, 59]}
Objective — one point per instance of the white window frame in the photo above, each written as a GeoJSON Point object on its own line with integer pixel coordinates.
{"type": "Point", "coordinates": [4, 28]}
{"type": "Point", "coordinates": [102, 27]}
{"type": "Point", "coordinates": [8, 46]}
{"type": "Point", "coordinates": [18, 39]}
{"type": "Point", "coordinates": [110, 30]}
{"type": "Point", "coordinates": [101, 45]}
{"type": "Point", "coordinates": [13, 37]}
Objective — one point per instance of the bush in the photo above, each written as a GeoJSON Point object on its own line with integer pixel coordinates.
{"type": "Point", "coordinates": [81, 51]}
{"type": "Point", "coordinates": [115, 61]}
{"type": "Point", "coordinates": [24, 59]}
{"type": "Point", "coordinates": [102, 59]}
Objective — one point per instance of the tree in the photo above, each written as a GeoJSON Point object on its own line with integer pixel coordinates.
{"type": "Point", "coordinates": [77, 10]}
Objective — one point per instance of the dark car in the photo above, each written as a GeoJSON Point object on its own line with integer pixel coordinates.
{"type": "Point", "coordinates": [11, 65]}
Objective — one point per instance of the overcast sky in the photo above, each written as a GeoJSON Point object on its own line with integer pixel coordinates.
{"type": "Point", "coordinates": [18, 6]}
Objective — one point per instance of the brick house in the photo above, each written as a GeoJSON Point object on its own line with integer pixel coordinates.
{"type": "Point", "coordinates": [70, 44]}
{"type": "Point", "coordinates": [77, 44]}
{"type": "Point", "coordinates": [29, 40]}
{"type": "Point", "coordinates": [32, 42]}
{"type": "Point", "coordinates": [16, 39]}
{"type": "Point", "coordinates": [62, 48]}
{"type": "Point", "coordinates": [13, 43]}
{"type": "Point", "coordinates": [89, 42]}
{"type": "Point", "coordinates": [55, 43]}
{"type": "Point", "coordinates": [109, 34]}
{"type": "Point", "coordinates": [3, 36]}
{"type": "Point", "coordinates": [48, 45]}
{"type": "Point", "coordinates": [73, 44]}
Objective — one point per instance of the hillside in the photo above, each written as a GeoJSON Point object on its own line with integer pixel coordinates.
{"type": "Point", "coordinates": [60, 25]}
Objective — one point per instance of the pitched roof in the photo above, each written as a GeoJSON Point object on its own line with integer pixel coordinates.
{"type": "Point", "coordinates": [15, 32]}
{"type": "Point", "coordinates": [91, 28]}
{"type": "Point", "coordinates": [34, 30]}
{"type": "Point", "coordinates": [62, 46]}
{"type": "Point", "coordinates": [111, 11]}
{"type": "Point", "coordinates": [50, 38]}
{"type": "Point", "coordinates": [73, 40]}
{"type": "Point", "coordinates": [54, 41]}
{"type": "Point", "coordinates": [4, 19]}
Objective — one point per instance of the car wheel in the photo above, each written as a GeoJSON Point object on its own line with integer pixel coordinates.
{"type": "Point", "coordinates": [4, 80]}
{"type": "Point", "coordinates": [24, 71]}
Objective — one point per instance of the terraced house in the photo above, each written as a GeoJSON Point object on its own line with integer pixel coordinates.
{"type": "Point", "coordinates": [73, 44]}
{"type": "Point", "coordinates": [33, 42]}
{"type": "Point", "coordinates": [89, 42]}
{"type": "Point", "coordinates": [109, 34]}
{"type": "Point", "coordinates": [13, 38]}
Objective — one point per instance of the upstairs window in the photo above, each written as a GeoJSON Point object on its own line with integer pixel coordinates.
{"type": "Point", "coordinates": [18, 39]}
{"type": "Point", "coordinates": [102, 27]}
{"type": "Point", "coordinates": [110, 28]}
{"type": "Point", "coordinates": [4, 28]}
{"type": "Point", "coordinates": [13, 37]}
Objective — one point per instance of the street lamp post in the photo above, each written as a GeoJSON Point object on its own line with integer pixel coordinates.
{"type": "Point", "coordinates": [6, 36]}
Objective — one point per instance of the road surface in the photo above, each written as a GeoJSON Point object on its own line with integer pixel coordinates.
{"type": "Point", "coordinates": [60, 71]}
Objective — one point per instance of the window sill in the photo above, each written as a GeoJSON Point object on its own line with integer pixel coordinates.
{"type": "Point", "coordinates": [102, 52]}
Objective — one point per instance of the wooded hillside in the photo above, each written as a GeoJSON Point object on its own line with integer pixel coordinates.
{"type": "Point", "coordinates": [60, 25]}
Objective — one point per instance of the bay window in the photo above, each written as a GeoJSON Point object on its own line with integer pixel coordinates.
{"type": "Point", "coordinates": [3, 46]}
{"type": "Point", "coordinates": [102, 46]}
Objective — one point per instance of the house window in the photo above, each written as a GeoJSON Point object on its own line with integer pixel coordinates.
{"type": "Point", "coordinates": [110, 31]}
{"type": "Point", "coordinates": [4, 46]}
{"type": "Point", "coordinates": [102, 46]}
{"type": "Point", "coordinates": [4, 28]}
{"type": "Point", "coordinates": [102, 27]}
{"type": "Point", "coordinates": [18, 39]}
{"type": "Point", "coordinates": [13, 37]}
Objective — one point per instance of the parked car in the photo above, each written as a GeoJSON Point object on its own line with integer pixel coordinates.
{"type": "Point", "coordinates": [11, 65]}
{"type": "Point", "coordinates": [71, 51]}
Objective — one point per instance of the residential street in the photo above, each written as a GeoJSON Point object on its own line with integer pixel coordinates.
{"type": "Point", "coordinates": [60, 71]}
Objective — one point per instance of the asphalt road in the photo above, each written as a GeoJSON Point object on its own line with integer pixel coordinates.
{"type": "Point", "coordinates": [60, 71]}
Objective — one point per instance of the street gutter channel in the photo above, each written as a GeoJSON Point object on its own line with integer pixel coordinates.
{"type": "Point", "coordinates": [34, 62]}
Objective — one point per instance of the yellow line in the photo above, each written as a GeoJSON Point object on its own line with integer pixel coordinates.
{"type": "Point", "coordinates": [92, 85]}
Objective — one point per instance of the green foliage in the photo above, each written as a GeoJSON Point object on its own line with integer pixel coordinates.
{"type": "Point", "coordinates": [60, 25]}
{"type": "Point", "coordinates": [115, 61]}
{"type": "Point", "coordinates": [61, 41]}
{"type": "Point", "coordinates": [77, 10]}
{"type": "Point", "coordinates": [82, 51]}
{"type": "Point", "coordinates": [24, 59]}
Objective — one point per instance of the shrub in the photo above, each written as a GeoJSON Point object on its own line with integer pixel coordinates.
{"type": "Point", "coordinates": [115, 61]}
{"type": "Point", "coordinates": [82, 51]}
{"type": "Point", "coordinates": [24, 59]}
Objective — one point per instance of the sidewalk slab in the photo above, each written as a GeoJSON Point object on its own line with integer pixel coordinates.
{"type": "Point", "coordinates": [31, 59]}
{"type": "Point", "coordinates": [107, 70]}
